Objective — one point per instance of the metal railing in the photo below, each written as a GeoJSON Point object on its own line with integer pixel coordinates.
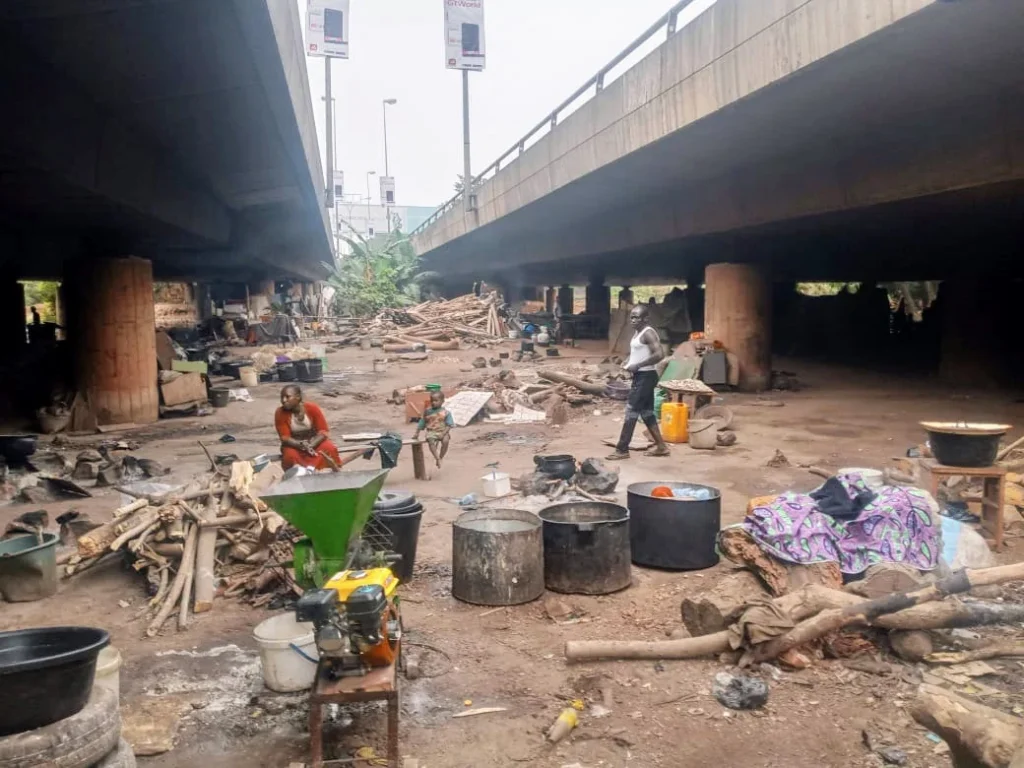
{"type": "Point", "coordinates": [667, 22]}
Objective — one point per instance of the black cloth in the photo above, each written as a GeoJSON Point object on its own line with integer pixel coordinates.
{"type": "Point", "coordinates": [641, 393]}
{"type": "Point", "coordinates": [833, 500]}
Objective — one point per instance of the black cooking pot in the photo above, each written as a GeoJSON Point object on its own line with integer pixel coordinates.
{"type": "Point", "coordinates": [562, 467]}
{"type": "Point", "coordinates": [586, 548]}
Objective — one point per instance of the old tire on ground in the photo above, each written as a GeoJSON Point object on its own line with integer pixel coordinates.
{"type": "Point", "coordinates": [79, 741]}
{"type": "Point", "coordinates": [122, 757]}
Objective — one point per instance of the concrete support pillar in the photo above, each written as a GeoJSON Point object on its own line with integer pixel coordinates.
{"type": "Point", "coordinates": [599, 299]}
{"type": "Point", "coordinates": [565, 299]}
{"type": "Point", "coordinates": [738, 313]}
{"type": "Point", "coordinates": [695, 298]}
{"type": "Point", "coordinates": [204, 305]}
{"type": "Point", "coordinates": [973, 351]}
{"type": "Point", "coordinates": [12, 313]}
{"type": "Point", "coordinates": [112, 333]}
{"type": "Point", "coordinates": [549, 300]}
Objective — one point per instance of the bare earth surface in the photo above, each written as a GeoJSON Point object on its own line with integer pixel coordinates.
{"type": "Point", "coordinates": [662, 713]}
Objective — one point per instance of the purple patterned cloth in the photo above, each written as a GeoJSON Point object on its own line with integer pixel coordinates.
{"type": "Point", "coordinates": [899, 526]}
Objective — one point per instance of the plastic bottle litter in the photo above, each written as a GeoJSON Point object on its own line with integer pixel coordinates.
{"type": "Point", "coordinates": [740, 691]}
{"type": "Point", "coordinates": [563, 726]}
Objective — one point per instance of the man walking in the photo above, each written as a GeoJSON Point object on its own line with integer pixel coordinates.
{"type": "Point", "coordinates": [645, 353]}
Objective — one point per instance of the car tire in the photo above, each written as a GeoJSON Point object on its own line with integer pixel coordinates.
{"type": "Point", "coordinates": [122, 757]}
{"type": "Point", "coordinates": [79, 741]}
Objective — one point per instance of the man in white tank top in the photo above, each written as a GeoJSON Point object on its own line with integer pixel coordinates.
{"type": "Point", "coordinates": [645, 353]}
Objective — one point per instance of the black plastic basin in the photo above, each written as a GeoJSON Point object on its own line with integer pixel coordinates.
{"type": "Point", "coordinates": [46, 674]}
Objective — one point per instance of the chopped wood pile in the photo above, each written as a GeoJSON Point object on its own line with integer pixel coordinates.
{"type": "Point", "coordinates": [435, 325]}
{"type": "Point", "coordinates": [187, 542]}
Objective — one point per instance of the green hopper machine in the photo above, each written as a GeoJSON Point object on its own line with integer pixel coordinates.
{"type": "Point", "coordinates": [331, 508]}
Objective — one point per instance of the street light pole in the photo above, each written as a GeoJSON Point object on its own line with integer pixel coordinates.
{"type": "Point", "coordinates": [369, 197]}
{"type": "Point", "coordinates": [387, 168]}
{"type": "Point", "coordinates": [329, 131]}
{"type": "Point", "coordinates": [467, 174]}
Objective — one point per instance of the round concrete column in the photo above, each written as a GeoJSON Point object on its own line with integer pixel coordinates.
{"type": "Point", "coordinates": [738, 313]}
{"type": "Point", "coordinates": [112, 334]}
{"type": "Point", "coordinates": [12, 309]}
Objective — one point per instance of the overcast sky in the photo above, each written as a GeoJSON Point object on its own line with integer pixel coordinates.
{"type": "Point", "coordinates": [538, 53]}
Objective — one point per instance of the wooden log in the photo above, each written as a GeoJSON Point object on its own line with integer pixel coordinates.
{"type": "Point", "coordinates": [804, 603]}
{"type": "Point", "coordinates": [98, 540]}
{"type": "Point", "coordinates": [591, 388]}
{"type": "Point", "coordinates": [870, 610]}
{"type": "Point", "coordinates": [206, 552]}
{"type": "Point", "coordinates": [1012, 648]}
{"type": "Point", "coordinates": [715, 610]}
{"type": "Point", "coordinates": [978, 736]}
{"type": "Point", "coordinates": [230, 520]}
{"type": "Point", "coordinates": [142, 524]}
{"type": "Point", "coordinates": [188, 566]}
{"type": "Point", "coordinates": [176, 587]}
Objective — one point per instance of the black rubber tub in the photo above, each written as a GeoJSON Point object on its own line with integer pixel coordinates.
{"type": "Point", "coordinates": [674, 534]}
{"type": "Point", "coordinates": [586, 548]}
{"type": "Point", "coordinates": [309, 371]}
{"type": "Point", "coordinates": [400, 514]}
{"type": "Point", "coordinates": [286, 372]}
{"type": "Point", "coordinates": [46, 674]}
{"type": "Point", "coordinates": [965, 444]}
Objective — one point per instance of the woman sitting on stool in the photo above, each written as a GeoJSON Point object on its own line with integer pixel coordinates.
{"type": "Point", "coordinates": [304, 433]}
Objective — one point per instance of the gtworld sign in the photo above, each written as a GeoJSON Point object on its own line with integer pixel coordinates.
{"type": "Point", "coordinates": [464, 34]}
{"type": "Point", "coordinates": [327, 28]}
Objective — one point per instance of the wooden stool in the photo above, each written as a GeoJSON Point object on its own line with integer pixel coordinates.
{"type": "Point", "coordinates": [993, 496]}
{"type": "Point", "coordinates": [380, 684]}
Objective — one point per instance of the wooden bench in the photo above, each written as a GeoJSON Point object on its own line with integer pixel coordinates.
{"type": "Point", "coordinates": [419, 457]}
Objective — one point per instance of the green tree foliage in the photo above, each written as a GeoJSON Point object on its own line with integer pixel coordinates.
{"type": "Point", "coordinates": [380, 273]}
{"type": "Point", "coordinates": [43, 296]}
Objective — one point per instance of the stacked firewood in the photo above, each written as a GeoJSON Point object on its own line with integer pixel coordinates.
{"type": "Point", "coordinates": [438, 325]}
{"type": "Point", "coordinates": [186, 543]}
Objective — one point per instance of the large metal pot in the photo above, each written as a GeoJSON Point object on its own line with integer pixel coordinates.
{"type": "Point", "coordinates": [562, 467]}
{"type": "Point", "coordinates": [586, 548]}
{"type": "Point", "coordinates": [960, 444]}
{"type": "Point", "coordinates": [675, 534]}
{"type": "Point", "coordinates": [497, 557]}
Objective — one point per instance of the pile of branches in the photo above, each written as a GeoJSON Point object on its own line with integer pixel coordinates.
{"type": "Point", "coordinates": [186, 543]}
{"type": "Point", "coordinates": [436, 325]}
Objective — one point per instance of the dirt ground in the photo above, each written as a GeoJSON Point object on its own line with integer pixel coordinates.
{"type": "Point", "coordinates": [662, 714]}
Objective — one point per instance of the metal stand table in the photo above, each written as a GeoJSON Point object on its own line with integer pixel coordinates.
{"type": "Point", "coordinates": [380, 684]}
{"type": "Point", "coordinates": [993, 496]}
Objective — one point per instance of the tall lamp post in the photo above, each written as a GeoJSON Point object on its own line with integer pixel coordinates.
{"type": "Point", "coordinates": [368, 198]}
{"type": "Point", "coordinates": [387, 168]}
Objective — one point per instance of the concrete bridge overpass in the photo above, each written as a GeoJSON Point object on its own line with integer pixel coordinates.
{"type": "Point", "coordinates": [792, 139]}
{"type": "Point", "coordinates": [179, 133]}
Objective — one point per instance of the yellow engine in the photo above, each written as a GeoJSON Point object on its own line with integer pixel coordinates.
{"type": "Point", "coordinates": [356, 620]}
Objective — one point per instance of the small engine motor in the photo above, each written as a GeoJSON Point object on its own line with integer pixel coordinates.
{"type": "Point", "coordinates": [357, 626]}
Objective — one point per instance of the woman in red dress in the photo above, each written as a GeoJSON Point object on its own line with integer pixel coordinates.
{"type": "Point", "coordinates": [303, 431]}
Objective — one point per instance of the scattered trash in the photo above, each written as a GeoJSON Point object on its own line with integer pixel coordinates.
{"type": "Point", "coordinates": [226, 438]}
{"type": "Point", "coordinates": [778, 461]}
{"type": "Point", "coordinates": [241, 395]}
{"type": "Point", "coordinates": [890, 755]}
{"type": "Point", "coordinates": [563, 726]}
{"type": "Point", "coordinates": [480, 711]}
{"type": "Point", "coordinates": [740, 691]}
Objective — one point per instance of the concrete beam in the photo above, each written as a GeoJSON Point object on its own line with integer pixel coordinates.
{"type": "Point", "coordinates": [61, 131]}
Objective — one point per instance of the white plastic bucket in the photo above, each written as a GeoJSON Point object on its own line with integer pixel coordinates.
{"type": "Point", "coordinates": [873, 478]}
{"type": "Point", "coordinates": [108, 670]}
{"type": "Point", "coordinates": [248, 377]}
{"type": "Point", "coordinates": [703, 434]}
{"type": "Point", "coordinates": [287, 653]}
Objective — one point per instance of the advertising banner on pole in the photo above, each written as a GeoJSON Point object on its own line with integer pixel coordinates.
{"type": "Point", "coordinates": [464, 34]}
{"type": "Point", "coordinates": [339, 185]}
{"type": "Point", "coordinates": [387, 190]}
{"type": "Point", "coordinates": [327, 28]}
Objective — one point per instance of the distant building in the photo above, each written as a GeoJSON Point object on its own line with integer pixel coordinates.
{"type": "Point", "coordinates": [371, 220]}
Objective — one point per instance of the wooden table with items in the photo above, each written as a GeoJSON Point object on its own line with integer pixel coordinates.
{"type": "Point", "coordinates": [993, 496]}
